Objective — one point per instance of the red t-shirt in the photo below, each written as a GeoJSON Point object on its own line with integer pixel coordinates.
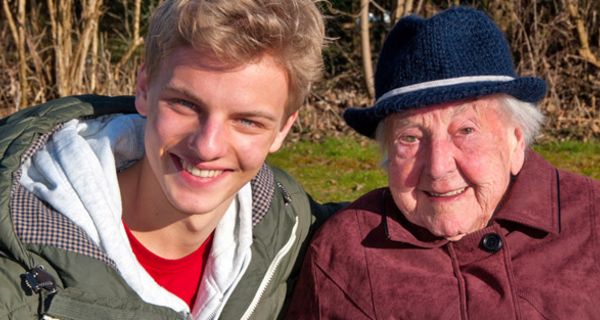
{"type": "Point", "coordinates": [179, 276]}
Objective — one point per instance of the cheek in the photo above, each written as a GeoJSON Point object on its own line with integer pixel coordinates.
{"type": "Point", "coordinates": [403, 175]}
{"type": "Point", "coordinates": [490, 160]}
{"type": "Point", "coordinates": [252, 150]}
{"type": "Point", "coordinates": [404, 197]}
{"type": "Point", "coordinates": [403, 178]}
{"type": "Point", "coordinates": [487, 168]}
{"type": "Point", "coordinates": [151, 134]}
{"type": "Point", "coordinates": [168, 127]}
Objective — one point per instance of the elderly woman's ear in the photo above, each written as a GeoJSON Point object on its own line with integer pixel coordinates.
{"type": "Point", "coordinates": [518, 148]}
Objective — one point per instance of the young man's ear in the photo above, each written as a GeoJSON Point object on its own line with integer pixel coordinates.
{"type": "Point", "coordinates": [141, 91]}
{"type": "Point", "coordinates": [283, 131]}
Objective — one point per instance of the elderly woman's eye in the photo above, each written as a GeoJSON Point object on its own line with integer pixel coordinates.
{"type": "Point", "coordinates": [408, 139]}
{"type": "Point", "coordinates": [467, 130]}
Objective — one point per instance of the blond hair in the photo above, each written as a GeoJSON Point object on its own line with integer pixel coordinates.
{"type": "Point", "coordinates": [240, 31]}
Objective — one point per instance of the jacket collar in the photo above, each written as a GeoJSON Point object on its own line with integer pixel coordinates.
{"type": "Point", "coordinates": [263, 188]}
{"type": "Point", "coordinates": [533, 197]}
{"type": "Point", "coordinates": [532, 201]}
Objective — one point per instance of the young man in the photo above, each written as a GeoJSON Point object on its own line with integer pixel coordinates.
{"type": "Point", "coordinates": [170, 212]}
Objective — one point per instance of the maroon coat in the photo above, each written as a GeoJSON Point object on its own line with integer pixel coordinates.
{"type": "Point", "coordinates": [538, 259]}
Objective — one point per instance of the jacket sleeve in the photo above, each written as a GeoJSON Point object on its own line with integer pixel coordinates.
{"type": "Point", "coordinates": [322, 212]}
{"type": "Point", "coordinates": [595, 210]}
{"type": "Point", "coordinates": [14, 302]}
{"type": "Point", "coordinates": [317, 296]}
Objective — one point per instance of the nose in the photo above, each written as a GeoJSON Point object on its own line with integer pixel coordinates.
{"type": "Point", "coordinates": [441, 159]}
{"type": "Point", "coordinates": [209, 141]}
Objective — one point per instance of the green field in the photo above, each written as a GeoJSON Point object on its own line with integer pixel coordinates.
{"type": "Point", "coordinates": [340, 169]}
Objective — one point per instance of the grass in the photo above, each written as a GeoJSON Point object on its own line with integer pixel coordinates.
{"type": "Point", "coordinates": [334, 170]}
{"type": "Point", "coordinates": [580, 157]}
{"type": "Point", "coordinates": [342, 169]}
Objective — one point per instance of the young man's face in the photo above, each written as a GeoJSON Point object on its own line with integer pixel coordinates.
{"type": "Point", "coordinates": [210, 126]}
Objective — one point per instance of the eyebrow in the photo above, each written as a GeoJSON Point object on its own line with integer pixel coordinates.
{"type": "Point", "coordinates": [169, 87]}
{"type": "Point", "coordinates": [403, 122]}
{"type": "Point", "coordinates": [461, 108]}
{"type": "Point", "coordinates": [458, 109]}
{"type": "Point", "coordinates": [257, 114]}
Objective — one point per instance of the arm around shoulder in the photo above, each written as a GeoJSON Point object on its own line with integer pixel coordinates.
{"type": "Point", "coordinates": [322, 212]}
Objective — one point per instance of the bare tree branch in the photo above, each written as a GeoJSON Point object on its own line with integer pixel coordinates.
{"type": "Point", "coordinates": [584, 50]}
{"type": "Point", "coordinates": [137, 39]}
{"type": "Point", "coordinates": [22, 53]}
{"type": "Point", "coordinates": [94, 61]}
{"type": "Point", "coordinates": [399, 10]}
{"type": "Point", "coordinates": [11, 21]}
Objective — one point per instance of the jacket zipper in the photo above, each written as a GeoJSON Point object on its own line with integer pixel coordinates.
{"type": "Point", "coordinates": [225, 298]}
{"type": "Point", "coordinates": [270, 272]}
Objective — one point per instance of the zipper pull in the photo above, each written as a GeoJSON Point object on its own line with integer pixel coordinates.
{"type": "Point", "coordinates": [37, 279]}
{"type": "Point", "coordinates": [287, 199]}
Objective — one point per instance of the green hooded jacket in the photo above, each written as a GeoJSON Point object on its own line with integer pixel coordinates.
{"type": "Point", "coordinates": [50, 269]}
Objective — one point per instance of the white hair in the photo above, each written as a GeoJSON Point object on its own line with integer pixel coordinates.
{"type": "Point", "coordinates": [380, 138]}
{"type": "Point", "coordinates": [525, 115]}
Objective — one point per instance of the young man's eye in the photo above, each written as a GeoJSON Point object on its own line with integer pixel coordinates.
{"type": "Point", "coordinates": [180, 103]}
{"type": "Point", "coordinates": [185, 103]}
{"type": "Point", "coordinates": [248, 123]}
{"type": "Point", "coordinates": [182, 106]}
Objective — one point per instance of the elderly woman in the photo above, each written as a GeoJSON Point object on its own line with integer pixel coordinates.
{"type": "Point", "coordinates": [473, 223]}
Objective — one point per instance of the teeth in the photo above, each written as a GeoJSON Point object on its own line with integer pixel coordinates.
{"type": "Point", "coordinates": [448, 194]}
{"type": "Point", "coordinates": [200, 173]}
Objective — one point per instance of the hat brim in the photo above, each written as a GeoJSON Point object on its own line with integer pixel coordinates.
{"type": "Point", "coordinates": [365, 120]}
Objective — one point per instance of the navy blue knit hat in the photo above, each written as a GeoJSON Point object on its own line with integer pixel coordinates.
{"type": "Point", "coordinates": [457, 54]}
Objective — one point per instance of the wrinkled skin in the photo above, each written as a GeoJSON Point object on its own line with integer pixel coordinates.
{"type": "Point", "coordinates": [450, 164]}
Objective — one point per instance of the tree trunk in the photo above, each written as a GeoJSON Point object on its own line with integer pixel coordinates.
{"type": "Point", "coordinates": [18, 33]}
{"type": "Point", "coordinates": [136, 41]}
{"type": "Point", "coordinates": [366, 47]}
{"type": "Point", "coordinates": [90, 17]}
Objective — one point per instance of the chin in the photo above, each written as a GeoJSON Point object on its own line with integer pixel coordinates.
{"type": "Point", "coordinates": [449, 230]}
{"type": "Point", "coordinates": [456, 237]}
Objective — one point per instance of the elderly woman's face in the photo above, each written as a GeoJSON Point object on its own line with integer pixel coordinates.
{"type": "Point", "coordinates": [450, 165]}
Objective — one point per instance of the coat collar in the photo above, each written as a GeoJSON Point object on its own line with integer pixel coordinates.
{"type": "Point", "coordinates": [533, 197]}
{"type": "Point", "coordinates": [532, 201]}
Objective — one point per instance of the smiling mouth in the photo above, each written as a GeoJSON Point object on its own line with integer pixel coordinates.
{"type": "Point", "coordinates": [447, 194]}
{"type": "Point", "coordinates": [189, 168]}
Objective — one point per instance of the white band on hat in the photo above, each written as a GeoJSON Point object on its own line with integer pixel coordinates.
{"type": "Point", "coordinates": [442, 83]}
